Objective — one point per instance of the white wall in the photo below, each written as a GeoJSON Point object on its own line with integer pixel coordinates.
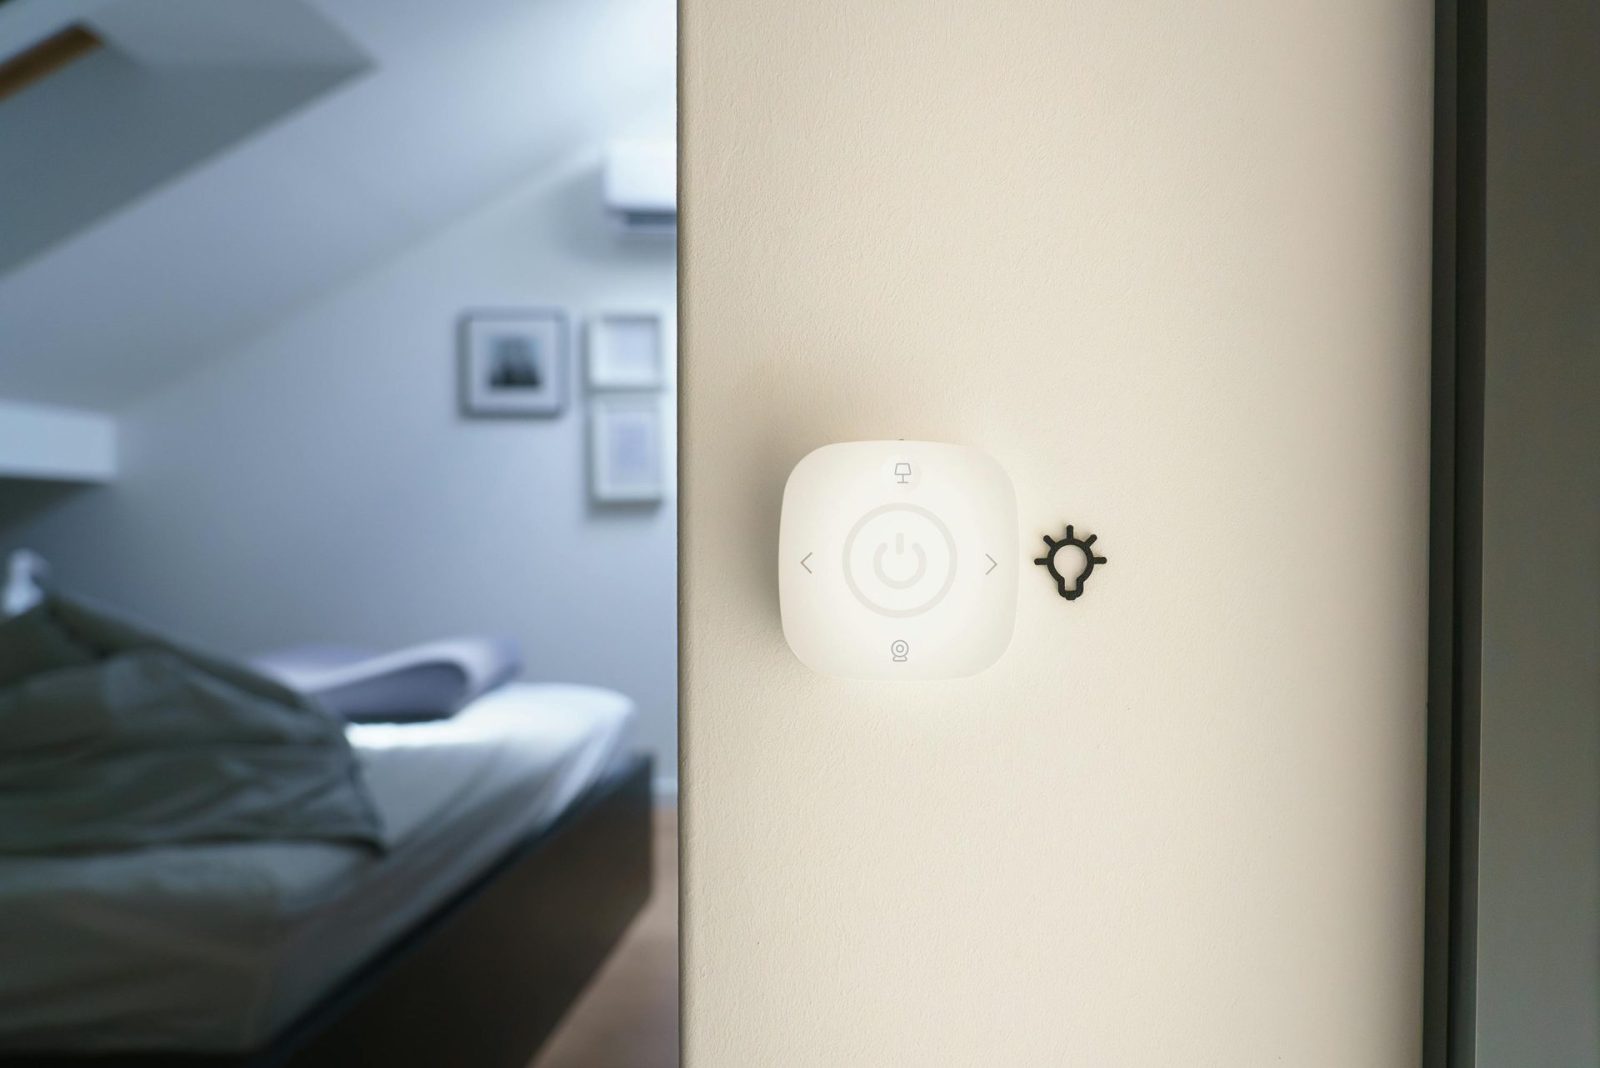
{"type": "Point", "coordinates": [1168, 263]}
{"type": "Point", "coordinates": [1538, 933]}
{"type": "Point", "coordinates": [319, 483]}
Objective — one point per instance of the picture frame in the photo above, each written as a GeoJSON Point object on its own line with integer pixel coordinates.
{"type": "Point", "coordinates": [627, 350]}
{"type": "Point", "coordinates": [514, 363]}
{"type": "Point", "coordinates": [627, 449]}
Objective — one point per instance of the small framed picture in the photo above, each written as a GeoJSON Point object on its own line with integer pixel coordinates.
{"type": "Point", "coordinates": [627, 350]}
{"type": "Point", "coordinates": [514, 363]}
{"type": "Point", "coordinates": [627, 464]}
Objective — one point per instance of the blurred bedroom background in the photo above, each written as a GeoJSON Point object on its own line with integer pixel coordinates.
{"type": "Point", "coordinates": [337, 345]}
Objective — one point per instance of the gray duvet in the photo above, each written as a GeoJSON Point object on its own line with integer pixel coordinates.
{"type": "Point", "coordinates": [113, 737]}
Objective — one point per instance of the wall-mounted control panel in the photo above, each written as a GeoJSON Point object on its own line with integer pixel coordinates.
{"type": "Point", "coordinates": [898, 560]}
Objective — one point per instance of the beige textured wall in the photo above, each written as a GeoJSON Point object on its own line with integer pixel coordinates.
{"type": "Point", "coordinates": [1168, 263]}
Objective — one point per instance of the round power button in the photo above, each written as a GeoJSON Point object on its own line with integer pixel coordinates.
{"type": "Point", "coordinates": [899, 560]}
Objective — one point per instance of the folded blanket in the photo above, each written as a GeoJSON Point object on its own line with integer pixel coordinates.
{"type": "Point", "coordinates": [113, 737]}
{"type": "Point", "coordinates": [431, 681]}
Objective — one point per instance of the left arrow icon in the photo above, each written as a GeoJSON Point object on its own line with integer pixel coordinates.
{"type": "Point", "coordinates": [805, 565]}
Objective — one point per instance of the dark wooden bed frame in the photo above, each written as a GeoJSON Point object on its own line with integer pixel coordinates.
{"type": "Point", "coordinates": [484, 979]}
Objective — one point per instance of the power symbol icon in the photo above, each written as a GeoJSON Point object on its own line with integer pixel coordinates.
{"type": "Point", "coordinates": [899, 560]}
{"type": "Point", "coordinates": [900, 552]}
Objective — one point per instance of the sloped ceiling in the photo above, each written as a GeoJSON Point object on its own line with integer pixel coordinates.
{"type": "Point", "coordinates": [169, 85]}
{"type": "Point", "coordinates": [457, 101]}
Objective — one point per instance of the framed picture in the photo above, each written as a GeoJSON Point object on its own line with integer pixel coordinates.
{"type": "Point", "coordinates": [627, 350]}
{"type": "Point", "coordinates": [627, 464]}
{"type": "Point", "coordinates": [514, 363]}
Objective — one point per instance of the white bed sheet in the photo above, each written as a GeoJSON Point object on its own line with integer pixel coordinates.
{"type": "Point", "coordinates": [216, 947]}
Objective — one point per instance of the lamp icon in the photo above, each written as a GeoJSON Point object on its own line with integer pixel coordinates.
{"type": "Point", "coordinates": [902, 471]}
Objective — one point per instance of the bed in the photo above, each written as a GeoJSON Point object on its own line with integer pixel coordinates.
{"type": "Point", "coordinates": [520, 832]}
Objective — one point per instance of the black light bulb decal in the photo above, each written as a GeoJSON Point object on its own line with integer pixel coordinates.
{"type": "Point", "coordinates": [1069, 582]}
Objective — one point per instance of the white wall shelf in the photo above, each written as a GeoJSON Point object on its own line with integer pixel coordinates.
{"type": "Point", "coordinates": [39, 441]}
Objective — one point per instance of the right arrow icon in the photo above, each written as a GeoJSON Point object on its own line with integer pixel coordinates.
{"type": "Point", "coordinates": [993, 563]}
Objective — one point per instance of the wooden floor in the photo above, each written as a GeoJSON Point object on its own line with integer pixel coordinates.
{"type": "Point", "coordinates": [628, 1018]}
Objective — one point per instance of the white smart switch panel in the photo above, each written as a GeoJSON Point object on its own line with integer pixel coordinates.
{"type": "Point", "coordinates": [898, 560]}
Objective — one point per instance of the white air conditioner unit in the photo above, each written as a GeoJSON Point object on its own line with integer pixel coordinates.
{"type": "Point", "coordinates": [641, 186]}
